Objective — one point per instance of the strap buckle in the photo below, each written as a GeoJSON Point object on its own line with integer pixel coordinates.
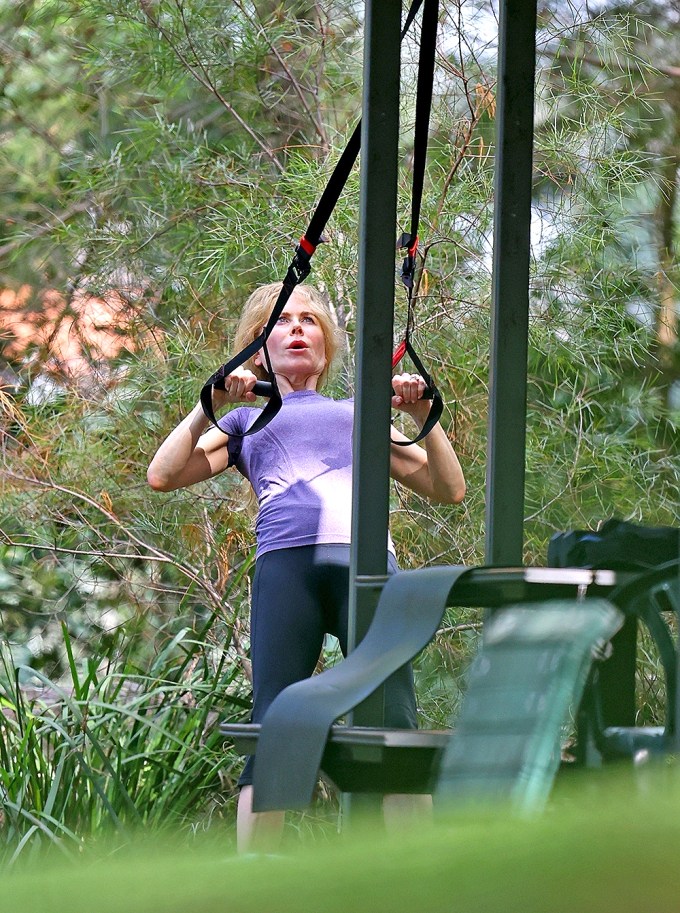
{"type": "Point", "coordinates": [301, 265]}
{"type": "Point", "coordinates": [408, 267]}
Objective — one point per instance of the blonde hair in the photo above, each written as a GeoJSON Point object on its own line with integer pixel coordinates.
{"type": "Point", "coordinates": [259, 306]}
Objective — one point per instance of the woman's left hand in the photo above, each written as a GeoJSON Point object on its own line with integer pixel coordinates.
{"type": "Point", "coordinates": [432, 470]}
{"type": "Point", "coordinates": [408, 395]}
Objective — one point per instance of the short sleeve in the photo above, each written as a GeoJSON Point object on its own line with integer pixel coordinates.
{"type": "Point", "coordinates": [233, 424]}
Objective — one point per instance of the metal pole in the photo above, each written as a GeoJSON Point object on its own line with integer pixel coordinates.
{"type": "Point", "coordinates": [375, 317]}
{"type": "Point", "coordinates": [675, 722]}
{"type": "Point", "coordinates": [510, 283]}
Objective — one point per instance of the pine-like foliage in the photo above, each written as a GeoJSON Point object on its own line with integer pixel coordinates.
{"type": "Point", "coordinates": [172, 151]}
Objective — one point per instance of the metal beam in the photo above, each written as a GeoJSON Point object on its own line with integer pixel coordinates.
{"type": "Point", "coordinates": [676, 722]}
{"type": "Point", "coordinates": [375, 317]}
{"type": "Point", "coordinates": [510, 283]}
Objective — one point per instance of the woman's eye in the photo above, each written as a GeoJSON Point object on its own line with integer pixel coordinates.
{"type": "Point", "coordinates": [308, 320]}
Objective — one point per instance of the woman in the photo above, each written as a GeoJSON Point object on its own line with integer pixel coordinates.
{"type": "Point", "coordinates": [300, 467]}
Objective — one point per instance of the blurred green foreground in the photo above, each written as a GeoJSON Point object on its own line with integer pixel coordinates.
{"type": "Point", "coordinates": [604, 845]}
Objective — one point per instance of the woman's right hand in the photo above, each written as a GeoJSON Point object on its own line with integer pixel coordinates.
{"type": "Point", "coordinates": [238, 387]}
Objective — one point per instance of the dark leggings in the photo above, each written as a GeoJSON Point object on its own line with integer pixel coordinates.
{"type": "Point", "coordinates": [300, 594]}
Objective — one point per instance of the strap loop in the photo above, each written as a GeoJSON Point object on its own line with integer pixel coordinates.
{"type": "Point", "coordinates": [431, 392]}
{"type": "Point", "coordinates": [409, 240]}
{"type": "Point", "coordinates": [408, 268]}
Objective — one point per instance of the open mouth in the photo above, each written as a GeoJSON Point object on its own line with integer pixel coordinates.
{"type": "Point", "coordinates": [298, 345]}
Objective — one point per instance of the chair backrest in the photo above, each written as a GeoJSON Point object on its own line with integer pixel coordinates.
{"type": "Point", "coordinates": [529, 673]}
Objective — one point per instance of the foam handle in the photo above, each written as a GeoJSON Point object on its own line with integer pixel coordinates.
{"type": "Point", "coordinates": [262, 388]}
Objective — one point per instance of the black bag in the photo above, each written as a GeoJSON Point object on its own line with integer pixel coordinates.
{"type": "Point", "coordinates": [617, 545]}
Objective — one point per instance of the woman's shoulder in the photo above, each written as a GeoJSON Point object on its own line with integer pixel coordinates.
{"type": "Point", "coordinates": [340, 400]}
{"type": "Point", "coordinates": [238, 420]}
{"type": "Point", "coordinates": [335, 406]}
{"type": "Point", "coordinates": [336, 399]}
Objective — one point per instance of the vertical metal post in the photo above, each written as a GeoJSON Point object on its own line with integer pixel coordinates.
{"type": "Point", "coordinates": [675, 722]}
{"type": "Point", "coordinates": [375, 317]}
{"type": "Point", "coordinates": [510, 283]}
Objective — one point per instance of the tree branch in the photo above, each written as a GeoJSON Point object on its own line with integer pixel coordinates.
{"type": "Point", "coordinates": [201, 75]}
{"type": "Point", "coordinates": [571, 57]}
{"type": "Point", "coordinates": [150, 552]}
{"type": "Point", "coordinates": [44, 229]}
{"type": "Point", "coordinates": [313, 115]}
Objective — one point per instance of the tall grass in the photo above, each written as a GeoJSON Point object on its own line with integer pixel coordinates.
{"type": "Point", "coordinates": [111, 749]}
{"type": "Point", "coordinates": [609, 846]}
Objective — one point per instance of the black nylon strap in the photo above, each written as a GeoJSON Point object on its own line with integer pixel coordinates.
{"type": "Point", "coordinates": [431, 392]}
{"type": "Point", "coordinates": [428, 46]}
{"type": "Point", "coordinates": [297, 272]}
{"type": "Point", "coordinates": [345, 163]}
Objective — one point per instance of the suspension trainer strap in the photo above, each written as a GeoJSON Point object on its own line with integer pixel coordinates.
{"type": "Point", "coordinates": [428, 46]}
{"type": "Point", "coordinates": [297, 272]}
{"type": "Point", "coordinates": [298, 269]}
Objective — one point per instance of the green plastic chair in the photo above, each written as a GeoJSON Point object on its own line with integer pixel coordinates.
{"type": "Point", "coordinates": [522, 686]}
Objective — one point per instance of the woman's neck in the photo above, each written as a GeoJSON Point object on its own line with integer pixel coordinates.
{"type": "Point", "coordinates": [297, 384]}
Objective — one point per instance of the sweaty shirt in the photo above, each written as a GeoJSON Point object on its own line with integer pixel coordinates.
{"type": "Point", "coordinates": [300, 467]}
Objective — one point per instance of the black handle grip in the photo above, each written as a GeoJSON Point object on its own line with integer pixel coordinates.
{"type": "Point", "coordinates": [262, 388]}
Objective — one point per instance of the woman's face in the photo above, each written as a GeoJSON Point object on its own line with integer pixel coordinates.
{"type": "Point", "coordinates": [297, 346]}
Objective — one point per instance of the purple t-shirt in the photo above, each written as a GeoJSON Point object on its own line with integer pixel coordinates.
{"type": "Point", "coordinates": [300, 467]}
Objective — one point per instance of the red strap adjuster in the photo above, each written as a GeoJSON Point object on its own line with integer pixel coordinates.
{"type": "Point", "coordinates": [307, 246]}
{"type": "Point", "coordinates": [399, 353]}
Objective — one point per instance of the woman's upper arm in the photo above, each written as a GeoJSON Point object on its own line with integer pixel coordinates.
{"type": "Point", "coordinates": [408, 465]}
{"type": "Point", "coordinates": [209, 457]}
{"type": "Point", "coordinates": [214, 444]}
{"type": "Point", "coordinates": [433, 472]}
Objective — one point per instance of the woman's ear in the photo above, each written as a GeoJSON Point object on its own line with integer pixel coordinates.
{"type": "Point", "coordinates": [257, 359]}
